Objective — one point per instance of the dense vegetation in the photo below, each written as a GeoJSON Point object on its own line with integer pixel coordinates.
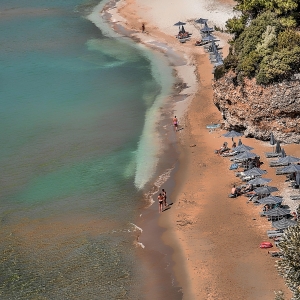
{"type": "Point", "coordinates": [289, 265]}
{"type": "Point", "coordinates": [266, 42]}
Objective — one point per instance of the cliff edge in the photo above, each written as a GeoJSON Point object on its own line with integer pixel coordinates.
{"type": "Point", "coordinates": [259, 110]}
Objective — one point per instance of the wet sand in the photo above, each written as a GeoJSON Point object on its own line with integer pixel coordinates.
{"type": "Point", "coordinates": [211, 241]}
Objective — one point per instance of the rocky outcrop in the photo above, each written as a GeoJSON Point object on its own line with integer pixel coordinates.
{"type": "Point", "coordinates": [259, 110]}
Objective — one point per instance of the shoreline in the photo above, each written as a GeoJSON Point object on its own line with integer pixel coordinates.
{"type": "Point", "coordinates": [153, 245]}
{"type": "Point", "coordinates": [212, 259]}
{"type": "Point", "coordinates": [155, 255]}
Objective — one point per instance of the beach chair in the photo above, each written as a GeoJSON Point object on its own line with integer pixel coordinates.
{"type": "Point", "coordinates": [275, 253]}
{"type": "Point", "coordinates": [183, 40]}
{"type": "Point", "coordinates": [272, 154]}
{"type": "Point", "coordinates": [227, 154]}
{"type": "Point", "coordinates": [295, 197]}
{"type": "Point", "coordinates": [277, 164]}
{"type": "Point", "coordinates": [233, 166]}
{"type": "Point", "coordinates": [280, 172]}
{"type": "Point", "coordinates": [274, 235]}
{"type": "Point", "coordinates": [201, 43]}
{"type": "Point", "coordinates": [274, 231]}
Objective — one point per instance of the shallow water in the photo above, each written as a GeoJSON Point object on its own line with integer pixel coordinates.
{"type": "Point", "coordinates": [73, 145]}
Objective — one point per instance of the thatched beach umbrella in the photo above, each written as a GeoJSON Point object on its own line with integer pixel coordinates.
{"type": "Point", "coordinates": [277, 212]}
{"type": "Point", "coordinates": [242, 148]}
{"type": "Point", "coordinates": [245, 155]}
{"type": "Point", "coordinates": [272, 139]}
{"type": "Point", "coordinates": [277, 147]}
{"type": "Point", "coordinates": [259, 181]}
{"type": "Point", "coordinates": [270, 200]}
{"type": "Point", "coordinates": [179, 24]}
{"type": "Point", "coordinates": [206, 29]}
{"type": "Point", "coordinates": [201, 21]}
{"type": "Point", "coordinates": [255, 172]}
{"type": "Point", "coordinates": [284, 223]}
{"type": "Point", "coordinates": [265, 190]}
{"type": "Point", "coordinates": [288, 159]}
{"type": "Point", "coordinates": [209, 38]}
{"type": "Point", "coordinates": [298, 178]}
{"type": "Point", "coordinates": [290, 169]}
{"type": "Point", "coordinates": [232, 134]}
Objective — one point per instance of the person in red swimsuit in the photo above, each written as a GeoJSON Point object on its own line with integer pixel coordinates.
{"type": "Point", "coordinates": [175, 122]}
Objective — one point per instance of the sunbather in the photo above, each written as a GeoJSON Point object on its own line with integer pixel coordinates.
{"type": "Point", "coordinates": [183, 35]}
{"type": "Point", "coordinates": [247, 189]}
{"type": "Point", "coordinates": [235, 191]}
{"type": "Point", "coordinates": [223, 149]}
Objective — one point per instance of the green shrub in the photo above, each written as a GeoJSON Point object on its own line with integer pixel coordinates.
{"type": "Point", "coordinates": [288, 39]}
{"type": "Point", "coordinates": [278, 66]}
{"type": "Point", "coordinates": [289, 265]}
{"type": "Point", "coordinates": [236, 25]}
{"type": "Point", "coordinates": [254, 7]}
{"type": "Point", "coordinates": [253, 34]}
{"type": "Point", "coordinates": [230, 62]}
{"type": "Point", "coordinates": [265, 43]}
{"type": "Point", "coordinates": [279, 295]}
{"type": "Point", "coordinates": [249, 65]}
{"type": "Point", "coordinates": [219, 72]}
{"type": "Point", "coordinates": [288, 22]}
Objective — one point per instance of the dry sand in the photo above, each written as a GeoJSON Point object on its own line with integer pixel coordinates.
{"type": "Point", "coordinates": [215, 239]}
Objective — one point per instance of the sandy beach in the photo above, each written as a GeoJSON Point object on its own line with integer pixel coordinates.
{"type": "Point", "coordinates": [212, 240]}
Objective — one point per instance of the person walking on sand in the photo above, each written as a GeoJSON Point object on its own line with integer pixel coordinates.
{"type": "Point", "coordinates": [175, 122]}
{"type": "Point", "coordinates": [164, 194]}
{"type": "Point", "coordinates": [160, 202]}
{"type": "Point", "coordinates": [143, 27]}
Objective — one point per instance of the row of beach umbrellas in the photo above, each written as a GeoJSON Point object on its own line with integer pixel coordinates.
{"type": "Point", "coordinates": [278, 211]}
{"type": "Point", "coordinates": [213, 49]}
{"type": "Point", "coordinates": [244, 153]}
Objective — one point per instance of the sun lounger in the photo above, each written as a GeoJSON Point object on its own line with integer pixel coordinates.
{"type": "Point", "coordinates": [201, 43]}
{"type": "Point", "coordinates": [274, 235]}
{"type": "Point", "coordinates": [275, 253]}
{"type": "Point", "coordinates": [273, 231]}
{"type": "Point", "coordinates": [279, 172]}
{"type": "Point", "coordinates": [277, 164]}
{"type": "Point", "coordinates": [272, 154]}
{"type": "Point", "coordinates": [213, 126]}
{"type": "Point", "coordinates": [183, 40]}
{"type": "Point", "coordinates": [229, 154]}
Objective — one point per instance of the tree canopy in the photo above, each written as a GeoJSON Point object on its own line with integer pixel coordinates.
{"type": "Point", "coordinates": [265, 42]}
{"type": "Point", "coordinates": [254, 7]}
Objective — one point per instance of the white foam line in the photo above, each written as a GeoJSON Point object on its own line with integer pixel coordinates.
{"type": "Point", "coordinates": [137, 227]}
{"type": "Point", "coordinates": [150, 145]}
{"type": "Point", "coordinates": [140, 244]}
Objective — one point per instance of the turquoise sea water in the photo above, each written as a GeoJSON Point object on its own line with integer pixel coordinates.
{"type": "Point", "coordinates": [73, 105]}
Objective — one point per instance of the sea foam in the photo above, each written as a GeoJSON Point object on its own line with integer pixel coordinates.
{"type": "Point", "coordinates": [150, 143]}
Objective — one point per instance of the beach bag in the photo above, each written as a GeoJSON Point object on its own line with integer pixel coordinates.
{"type": "Point", "coordinates": [265, 245]}
{"type": "Point", "coordinates": [233, 167]}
